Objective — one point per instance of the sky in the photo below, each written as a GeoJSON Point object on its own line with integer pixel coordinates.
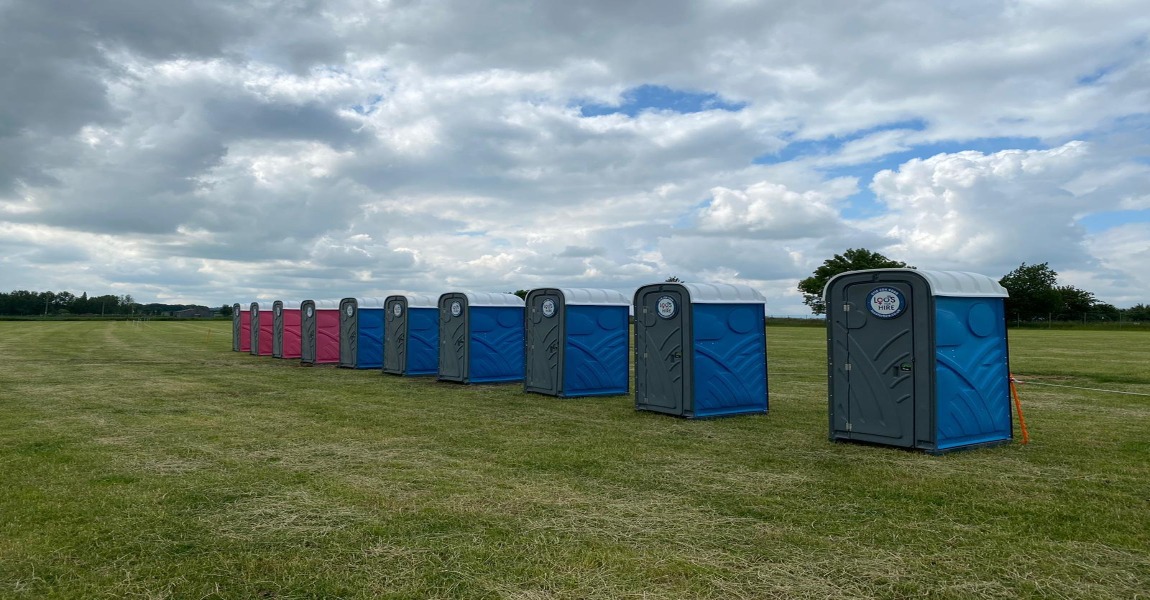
{"type": "Point", "coordinates": [214, 152]}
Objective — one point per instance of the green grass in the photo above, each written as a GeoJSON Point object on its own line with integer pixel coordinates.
{"type": "Point", "coordinates": [150, 461]}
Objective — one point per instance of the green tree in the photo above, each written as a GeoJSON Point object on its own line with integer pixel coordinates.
{"type": "Point", "coordinates": [226, 310]}
{"type": "Point", "coordinates": [1138, 312]}
{"type": "Point", "coordinates": [1105, 312]}
{"type": "Point", "coordinates": [521, 293]}
{"type": "Point", "coordinates": [672, 279]}
{"type": "Point", "coordinates": [24, 302]}
{"type": "Point", "coordinates": [105, 305]}
{"type": "Point", "coordinates": [1074, 302]}
{"type": "Point", "coordinates": [45, 302]}
{"type": "Point", "coordinates": [63, 301]}
{"type": "Point", "coordinates": [81, 305]}
{"type": "Point", "coordinates": [1033, 292]}
{"type": "Point", "coordinates": [854, 259]}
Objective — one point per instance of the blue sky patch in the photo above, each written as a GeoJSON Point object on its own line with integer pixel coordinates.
{"type": "Point", "coordinates": [863, 204]}
{"type": "Point", "coordinates": [865, 171]}
{"type": "Point", "coordinates": [829, 145]}
{"type": "Point", "coordinates": [1092, 78]}
{"type": "Point", "coordinates": [660, 98]}
{"type": "Point", "coordinates": [368, 107]}
{"type": "Point", "coordinates": [1130, 56]}
{"type": "Point", "coordinates": [983, 145]}
{"type": "Point", "coordinates": [1106, 220]}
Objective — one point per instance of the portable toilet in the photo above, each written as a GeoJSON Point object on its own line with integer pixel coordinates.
{"type": "Point", "coordinates": [480, 337]}
{"type": "Point", "coordinates": [285, 329]}
{"type": "Point", "coordinates": [700, 349]}
{"type": "Point", "coordinates": [411, 335]}
{"type": "Point", "coordinates": [241, 327]}
{"type": "Point", "coordinates": [577, 342]}
{"type": "Point", "coordinates": [361, 333]}
{"type": "Point", "coordinates": [262, 324]}
{"type": "Point", "coordinates": [319, 332]}
{"type": "Point", "coordinates": [917, 359]}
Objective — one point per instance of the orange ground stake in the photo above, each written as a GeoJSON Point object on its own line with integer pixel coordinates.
{"type": "Point", "coordinates": [1018, 406]}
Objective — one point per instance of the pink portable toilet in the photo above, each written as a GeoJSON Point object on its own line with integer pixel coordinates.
{"type": "Point", "coordinates": [241, 328]}
{"type": "Point", "coordinates": [262, 323]}
{"type": "Point", "coordinates": [319, 332]}
{"type": "Point", "coordinates": [285, 329]}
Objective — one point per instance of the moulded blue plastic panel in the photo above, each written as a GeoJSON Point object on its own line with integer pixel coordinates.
{"type": "Point", "coordinates": [596, 351]}
{"type": "Point", "coordinates": [369, 351]}
{"type": "Point", "coordinates": [422, 341]}
{"type": "Point", "coordinates": [496, 343]}
{"type": "Point", "coordinates": [971, 378]}
{"type": "Point", "coordinates": [729, 344]}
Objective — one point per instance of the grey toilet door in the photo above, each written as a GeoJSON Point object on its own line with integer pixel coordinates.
{"type": "Point", "coordinates": [395, 337]}
{"type": "Point", "coordinates": [453, 338]}
{"type": "Point", "coordinates": [660, 374]}
{"type": "Point", "coordinates": [880, 351]}
{"type": "Point", "coordinates": [348, 333]}
{"type": "Point", "coordinates": [544, 325]}
{"type": "Point", "coordinates": [254, 332]}
{"type": "Point", "coordinates": [236, 328]}
{"type": "Point", "coordinates": [307, 333]}
{"type": "Point", "coordinates": [278, 331]}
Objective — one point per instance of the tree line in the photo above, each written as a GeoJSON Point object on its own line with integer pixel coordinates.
{"type": "Point", "coordinates": [29, 303]}
{"type": "Point", "coordinates": [1035, 293]}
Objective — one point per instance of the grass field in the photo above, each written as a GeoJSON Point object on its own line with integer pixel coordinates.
{"type": "Point", "coordinates": [150, 461]}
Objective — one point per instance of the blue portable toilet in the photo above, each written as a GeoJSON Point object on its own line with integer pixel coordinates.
{"type": "Point", "coordinates": [411, 335]}
{"type": "Point", "coordinates": [577, 342]}
{"type": "Point", "coordinates": [480, 337]}
{"type": "Point", "coordinates": [917, 359]}
{"type": "Point", "coordinates": [361, 333]}
{"type": "Point", "coordinates": [700, 349]}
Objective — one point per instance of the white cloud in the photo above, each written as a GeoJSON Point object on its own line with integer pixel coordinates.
{"type": "Point", "coordinates": [991, 212]}
{"type": "Point", "coordinates": [772, 210]}
{"type": "Point", "coordinates": [209, 152]}
{"type": "Point", "coordinates": [1123, 253]}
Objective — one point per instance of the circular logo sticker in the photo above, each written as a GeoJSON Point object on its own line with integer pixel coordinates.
{"type": "Point", "coordinates": [456, 309]}
{"type": "Point", "coordinates": [549, 308]}
{"type": "Point", "coordinates": [665, 307]}
{"type": "Point", "coordinates": [309, 312]}
{"type": "Point", "coordinates": [885, 302]}
{"type": "Point", "coordinates": [350, 310]}
{"type": "Point", "coordinates": [397, 309]}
